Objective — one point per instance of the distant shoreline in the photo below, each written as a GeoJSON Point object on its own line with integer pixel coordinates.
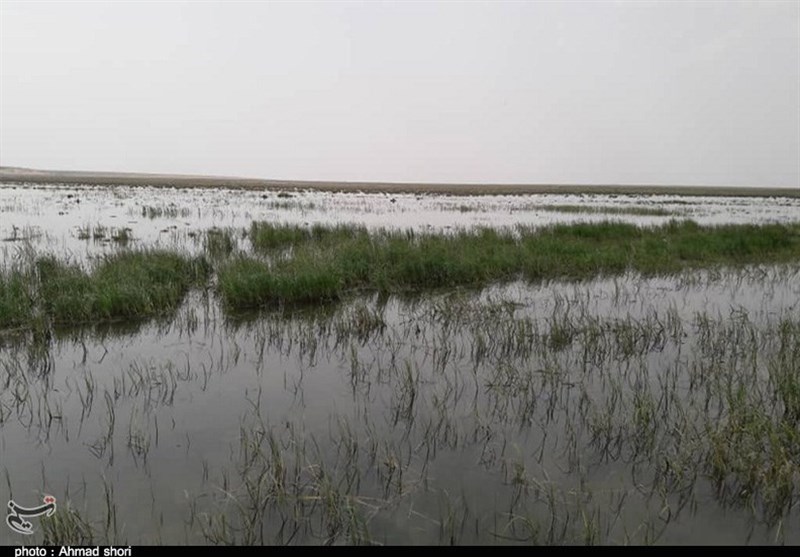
{"type": "Point", "coordinates": [24, 175]}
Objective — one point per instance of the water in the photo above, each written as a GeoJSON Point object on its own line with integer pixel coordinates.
{"type": "Point", "coordinates": [551, 413]}
{"type": "Point", "coordinates": [65, 219]}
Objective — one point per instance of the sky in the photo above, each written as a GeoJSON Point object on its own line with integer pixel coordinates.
{"type": "Point", "coordinates": [622, 92]}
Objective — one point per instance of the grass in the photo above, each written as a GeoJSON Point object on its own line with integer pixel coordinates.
{"type": "Point", "coordinates": [318, 264]}
{"type": "Point", "coordinates": [125, 285]}
{"type": "Point", "coordinates": [15, 298]}
{"type": "Point", "coordinates": [164, 211]}
{"type": "Point", "coordinates": [294, 264]}
{"type": "Point", "coordinates": [639, 421]}
{"type": "Point", "coordinates": [219, 243]}
{"type": "Point", "coordinates": [98, 232]}
{"type": "Point", "coordinates": [67, 527]}
{"type": "Point", "coordinates": [618, 411]}
{"type": "Point", "coordinates": [638, 210]}
{"type": "Point", "coordinates": [122, 236]}
{"type": "Point", "coordinates": [609, 210]}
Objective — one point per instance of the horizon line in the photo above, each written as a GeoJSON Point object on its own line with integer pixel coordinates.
{"type": "Point", "coordinates": [12, 174]}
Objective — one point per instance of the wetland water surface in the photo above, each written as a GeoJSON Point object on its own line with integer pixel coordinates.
{"type": "Point", "coordinates": [622, 409]}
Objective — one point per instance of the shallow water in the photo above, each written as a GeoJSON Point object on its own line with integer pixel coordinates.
{"type": "Point", "coordinates": [81, 221]}
{"type": "Point", "coordinates": [549, 413]}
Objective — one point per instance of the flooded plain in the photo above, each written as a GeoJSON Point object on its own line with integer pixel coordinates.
{"type": "Point", "coordinates": [76, 221]}
{"type": "Point", "coordinates": [621, 409]}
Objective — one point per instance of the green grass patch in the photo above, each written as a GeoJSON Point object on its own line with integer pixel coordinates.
{"type": "Point", "coordinates": [121, 286]}
{"type": "Point", "coordinates": [317, 264]}
{"type": "Point", "coordinates": [266, 237]}
{"type": "Point", "coordinates": [16, 304]}
{"type": "Point", "coordinates": [219, 243]}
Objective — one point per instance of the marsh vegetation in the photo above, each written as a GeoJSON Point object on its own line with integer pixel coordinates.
{"type": "Point", "coordinates": [590, 383]}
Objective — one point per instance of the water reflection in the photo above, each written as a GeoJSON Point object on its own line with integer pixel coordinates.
{"type": "Point", "coordinates": [607, 411]}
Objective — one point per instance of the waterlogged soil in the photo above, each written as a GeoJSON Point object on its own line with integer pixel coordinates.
{"type": "Point", "coordinates": [617, 410]}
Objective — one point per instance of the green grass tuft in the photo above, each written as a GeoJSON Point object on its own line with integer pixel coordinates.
{"type": "Point", "coordinates": [16, 304]}
{"type": "Point", "coordinates": [125, 285]}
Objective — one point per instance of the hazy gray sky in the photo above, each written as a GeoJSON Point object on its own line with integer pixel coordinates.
{"type": "Point", "coordinates": [631, 92]}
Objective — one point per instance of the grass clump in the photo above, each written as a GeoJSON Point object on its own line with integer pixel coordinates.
{"type": "Point", "coordinates": [124, 285]}
{"type": "Point", "coordinates": [637, 210]}
{"type": "Point", "coordinates": [67, 527]}
{"type": "Point", "coordinates": [122, 236]}
{"type": "Point", "coordinates": [15, 298]}
{"type": "Point", "coordinates": [246, 281]}
{"type": "Point", "coordinates": [219, 243]}
{"type": "Point", "coordinates": [266, 237]}
{"type": "Point", "coordinates": [319, 263]}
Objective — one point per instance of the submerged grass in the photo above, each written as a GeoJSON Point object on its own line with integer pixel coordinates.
{"type": "Point", "coordinates": [481, 418]}
{"type": "Point", "coordinates": [317, 264]}
{"type": "Point", "coordinates": [610, 210]}
{"type": "Point", "coordinates": [124, 285]}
